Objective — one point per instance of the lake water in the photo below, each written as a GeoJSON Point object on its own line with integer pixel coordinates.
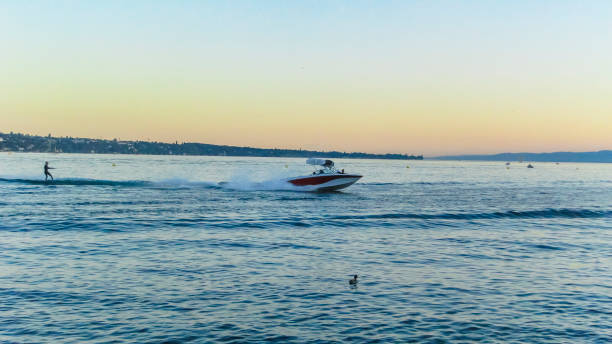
{"type": "Point", "coordinates": [151, 249]}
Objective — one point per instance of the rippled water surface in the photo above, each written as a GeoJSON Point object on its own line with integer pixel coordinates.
{"type": "Point", "coordinates": [154, 249]}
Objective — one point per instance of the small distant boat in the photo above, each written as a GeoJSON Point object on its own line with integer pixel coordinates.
{"type": "Point", "coordinates": [328, 178]}
{"type": "Point", "coordinates": [530, 166]}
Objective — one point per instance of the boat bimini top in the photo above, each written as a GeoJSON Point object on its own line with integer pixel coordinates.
{"type": "Point", "coordinates": [321, 162]}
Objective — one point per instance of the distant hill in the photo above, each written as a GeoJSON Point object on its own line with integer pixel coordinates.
{"type": "Point", "coordinates": [600, 156]}
{"type": "Point", "coordinates": [47, 144]}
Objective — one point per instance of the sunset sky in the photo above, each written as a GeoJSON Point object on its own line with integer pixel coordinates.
{"type": "Point", "coordinates": [422, 77]}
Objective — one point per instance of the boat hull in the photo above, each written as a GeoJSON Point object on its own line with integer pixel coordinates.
{"type": "Point", "coordinates": [325, 182]}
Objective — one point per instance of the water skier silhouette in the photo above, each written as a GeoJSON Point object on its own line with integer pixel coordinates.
{"type": "Point", "coordinates": [47, 173]}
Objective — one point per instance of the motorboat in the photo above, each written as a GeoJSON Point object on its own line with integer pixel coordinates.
{"type": "Point", "coordinates": [325, 178]}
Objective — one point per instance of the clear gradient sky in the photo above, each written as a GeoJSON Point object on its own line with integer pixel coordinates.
{"type": "Point", "coordinates": [426, 77]}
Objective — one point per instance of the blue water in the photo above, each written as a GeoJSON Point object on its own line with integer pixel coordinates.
{"type": "Point", "coordinates": [218, 249]}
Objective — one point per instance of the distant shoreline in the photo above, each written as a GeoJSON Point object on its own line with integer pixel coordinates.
{"type": "Point", "coordinates": [603, 156]}
{"type": "Point", "coordinates": [24, 143]}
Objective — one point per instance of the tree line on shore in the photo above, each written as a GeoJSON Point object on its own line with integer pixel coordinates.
{"type": "Point", "coordinates": [15, 142]}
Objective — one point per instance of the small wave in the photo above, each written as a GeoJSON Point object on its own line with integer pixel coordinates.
{"type": "Point", "coordinates": [547, 247]}
{"type": "Point", "coordinates": [436, 183]}
{"type": "Point", "coordinates": [545, 213]}
{"type": "Point", "coordinates": [385, 220]}
{"type": "Point", "coordinates": [78, 181]}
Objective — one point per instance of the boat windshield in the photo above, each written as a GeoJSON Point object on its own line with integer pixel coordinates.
{"type": "Point", "coordinates": [326, 170]}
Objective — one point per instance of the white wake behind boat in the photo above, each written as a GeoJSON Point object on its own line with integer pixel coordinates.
{"type": "Point", "coordinates": [328, 178]}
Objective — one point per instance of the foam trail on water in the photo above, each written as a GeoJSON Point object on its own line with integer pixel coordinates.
{"type": "Point", "coordinates": [244, 183]}
{"type": "Point", "coordinates": [238, 183]}
{"type": "Point", "coordinates": [185, 183]}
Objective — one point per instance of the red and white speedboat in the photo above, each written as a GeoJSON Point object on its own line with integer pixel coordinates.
{"type": "Point", "coordinates": [328, 178]}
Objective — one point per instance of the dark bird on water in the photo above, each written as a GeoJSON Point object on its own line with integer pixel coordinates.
{"type": "Point", "coordinates": [353, 281]}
